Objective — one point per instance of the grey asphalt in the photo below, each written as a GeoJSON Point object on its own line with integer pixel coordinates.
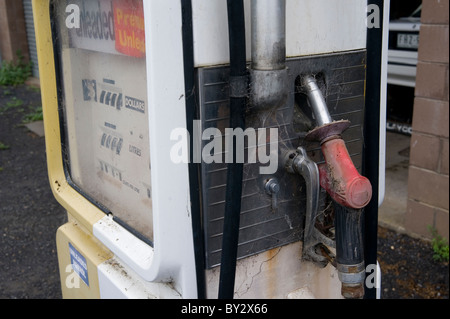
{"type": "Point", "coordinates": [29, 214]}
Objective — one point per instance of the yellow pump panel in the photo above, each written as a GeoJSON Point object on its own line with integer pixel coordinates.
{"type": "Point", "coordinates": [72, 239]}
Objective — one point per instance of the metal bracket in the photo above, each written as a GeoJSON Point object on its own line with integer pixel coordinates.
{"type": "Point", "coordinates": [313, 239]}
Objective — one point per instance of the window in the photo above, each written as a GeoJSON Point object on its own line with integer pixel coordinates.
{"type": "Point", "coordinates": [100, 48]}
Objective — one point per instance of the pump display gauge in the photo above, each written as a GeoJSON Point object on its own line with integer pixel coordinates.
{"type": "Point", "coordinates": [102, 54]}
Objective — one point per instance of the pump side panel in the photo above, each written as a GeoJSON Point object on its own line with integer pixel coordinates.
{"type": "Point", "coordinates": [312, 27]}
{"type": "Point", "coordinates": [79, 255]}
{"type": "Point", "coordinates": [262, 227]}
{"type": "Point", "coordinates": [278, 273]}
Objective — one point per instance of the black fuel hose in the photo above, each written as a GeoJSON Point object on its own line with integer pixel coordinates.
{"type": "Point", "coordinates": [238, 102]}
{"type": "Point", "coordinates": [194, 168]}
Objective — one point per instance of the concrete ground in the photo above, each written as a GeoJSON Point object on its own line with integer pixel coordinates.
{"type": "Point", "coordinates": [392, 212]}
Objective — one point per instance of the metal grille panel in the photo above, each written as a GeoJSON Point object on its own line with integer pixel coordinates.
{"type": "Point", "coordinates": [261, 228]}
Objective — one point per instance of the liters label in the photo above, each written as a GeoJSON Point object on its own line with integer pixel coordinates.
{"type": "Point", "coordinates": [129, 27]}
{"type": "Point", "coordinates": [79, 264]}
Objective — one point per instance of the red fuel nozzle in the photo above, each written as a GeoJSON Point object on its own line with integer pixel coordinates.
{"type": "Point", "coordinates": [348, 189]}
{"type": "Point", "coordinates": [339, 177]}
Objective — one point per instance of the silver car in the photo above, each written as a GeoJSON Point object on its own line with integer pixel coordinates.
{"type": "Point", "coordinates": [403, 49]}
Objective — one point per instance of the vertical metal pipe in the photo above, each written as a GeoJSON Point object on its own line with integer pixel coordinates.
{"type": "Point", "coordinates": [269, 87]}
{"type": "Point", "coordinates": [268, 34]}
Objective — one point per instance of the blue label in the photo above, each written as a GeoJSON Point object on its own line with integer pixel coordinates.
{"type": "Point", "coordinates": [79, 264]}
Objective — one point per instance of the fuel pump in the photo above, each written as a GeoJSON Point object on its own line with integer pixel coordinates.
{"type": "Point", "coordinates": [222, 161]}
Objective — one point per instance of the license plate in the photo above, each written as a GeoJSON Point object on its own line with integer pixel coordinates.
{"type": "Point", "coordinates": [408, 41]}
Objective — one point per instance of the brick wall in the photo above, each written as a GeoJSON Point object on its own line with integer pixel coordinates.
{"type": "Point", "coordinates": [13, 34]}
{"type": "Point", "coordinates": [428, 182]}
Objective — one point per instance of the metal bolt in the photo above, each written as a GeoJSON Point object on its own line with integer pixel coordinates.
{"type": "Point", "coordinates": [272, 188]}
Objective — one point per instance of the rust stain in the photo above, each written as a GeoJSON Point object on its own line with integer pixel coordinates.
{"type": "Point", "coordinates": [352, 291]}
{"type": "Point", "coordinates": [271, 273]}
